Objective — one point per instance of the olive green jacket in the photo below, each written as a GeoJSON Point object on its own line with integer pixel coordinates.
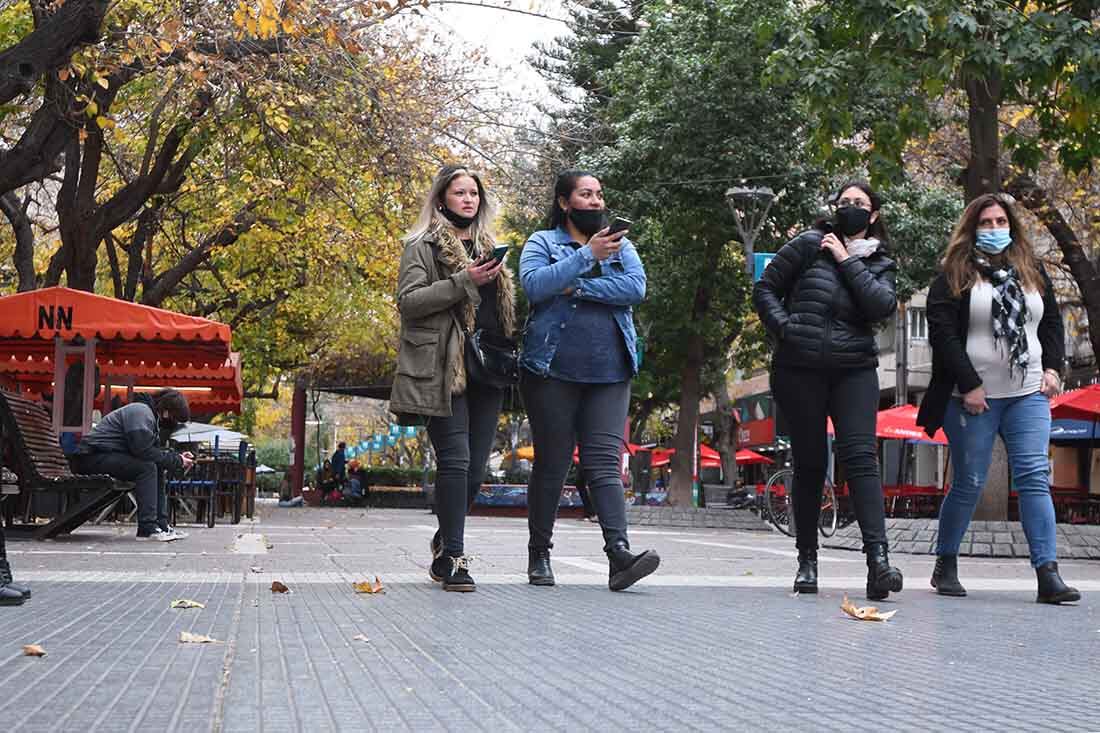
{"type": "Point", "coordinates": [434, 291]}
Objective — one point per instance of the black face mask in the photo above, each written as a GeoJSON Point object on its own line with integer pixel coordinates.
{"type": "Point", "coordinates": [460, 222]}
{"type": "Point", "coordinates": [588, 221]}
{"type": "Point", "coordinates": [852, 220]}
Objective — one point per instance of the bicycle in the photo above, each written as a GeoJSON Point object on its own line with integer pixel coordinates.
{"type": "Point", "coordinates": [777, 507]}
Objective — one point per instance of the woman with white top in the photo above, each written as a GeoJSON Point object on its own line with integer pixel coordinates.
{"type": "Point", "coordinates": [997, 350]}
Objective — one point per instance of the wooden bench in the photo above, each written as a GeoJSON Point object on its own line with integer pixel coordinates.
{"type": "Point", "coordinates": [32, 451]}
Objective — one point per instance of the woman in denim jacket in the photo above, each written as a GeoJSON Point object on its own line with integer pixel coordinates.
{"type": "Point", "coordinates": [579, 355]}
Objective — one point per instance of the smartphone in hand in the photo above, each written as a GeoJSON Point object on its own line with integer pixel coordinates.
{"type": "Point", "coordinates": [620, 224]}
{"type": "Point", "coordinates": [497, 256]}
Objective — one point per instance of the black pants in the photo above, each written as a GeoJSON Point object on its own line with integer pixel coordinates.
{"type": "Point", "coordinates": [582, 490]}
{"type": "Point", "coordinates": [462, 443]}
{"type": "Point", "coordinates": [562, 415]}
{"type": "Point", "coordinates": [850, 398]}
{"type": "Point", "coordinates": [152, 499]}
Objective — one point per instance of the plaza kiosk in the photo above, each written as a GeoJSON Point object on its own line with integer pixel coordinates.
{"type": "Point", "coordinates": [75, 352]}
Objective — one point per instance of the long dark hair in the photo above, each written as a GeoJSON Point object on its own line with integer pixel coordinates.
{"type": "Point", "coordinates": [876, 229]}
{"type": "Point", "coordinates": [564, 188]}
{"type": "Point", "coordinates": [958, 261]}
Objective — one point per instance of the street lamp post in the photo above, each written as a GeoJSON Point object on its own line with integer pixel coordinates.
{"type": "Point", "coordinates": [750, 207]}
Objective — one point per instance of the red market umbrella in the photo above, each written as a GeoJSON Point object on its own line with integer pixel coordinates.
{"type": "Point", "coordinates": [1077, 404]}
{"type": "Point", "coordinates": [900, 423]}
{"type": "Point", "coordinates": [746, 457]}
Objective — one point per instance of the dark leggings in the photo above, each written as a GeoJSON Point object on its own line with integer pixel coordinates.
{"type": "Point", "coordinates": [562, 415]}
{"type": "Point", "coordinates": [850, 397]}
{"type": "Point", "coordinates": [462, 443]}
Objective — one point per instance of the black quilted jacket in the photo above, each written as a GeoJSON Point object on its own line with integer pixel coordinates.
{"type": "Point", "coordinates": [821, 313]}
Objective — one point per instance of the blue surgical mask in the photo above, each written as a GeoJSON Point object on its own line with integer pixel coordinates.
{"type": "Point", "coordinates": [993, 241]}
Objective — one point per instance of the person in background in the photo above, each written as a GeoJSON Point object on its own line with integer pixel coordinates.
{"type": "Point", "coordinates": [340, 463]}
{"type": "Point", "coordinates": [450, 287]}
{"type": "Point", "coordinates": [997, 350]}
{"type": "Point", "coordinates": [579, 357]}
{"type": "Point", "coordinates": [820, 298]}
{"type": "Point", "coordinates": [127, 445]}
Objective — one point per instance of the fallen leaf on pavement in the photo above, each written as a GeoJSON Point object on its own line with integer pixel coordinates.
{"type": "Point", "coordinates": [33, 650]}
{"type": "Point", "coordinates": [256, 569]}
{"type": "Point", "coordinates": [865, 613]}
{"type": "Point", "coordinates": [186, 637]}
{"type": "Point", "coordinates": [367, 587]}
{"type": "Point", "coordinates": [277, 587]}
{"type": "Point", "coordinates": [360, 637]}
{"type": "Point", "coordinates": [185, 603]}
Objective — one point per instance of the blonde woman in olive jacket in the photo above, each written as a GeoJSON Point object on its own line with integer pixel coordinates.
{"type": "Point", "coordinates": [449, 286]}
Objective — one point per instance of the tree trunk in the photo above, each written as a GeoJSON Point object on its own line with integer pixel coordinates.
{"type": "Point", "coordinates": [725, 432]}
{"type": "Point", "coordinates": [680, 488]}
{"type": "Point", "coordinates": [983, 170]}
{"type": "Point", "coordinates": [49, 46]}
{"type": "Point", "coordinates": [24, 239]}
{"type": "Point", "coordinates": [993, 503]}
{"type": "Point", "coordinates": [1035, 199]}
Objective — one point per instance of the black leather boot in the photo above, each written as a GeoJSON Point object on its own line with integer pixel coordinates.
{"type": "Point", "coordinates": [1052, 589]}
{"type": "Point", "coordinates": [6, 580]}
{"type": "Point", "coordinates": [945, 576]}
{"type": "Point", "coordinates": [805, 580]}
{"type": "Point", "coordinates": [538, 567]}
{"type": "Point", "coordinates": [626, 568]}
{"type": "Point", "coordinates": [881, 578]}
{"type": "Point", "coordinates": [9, 597]}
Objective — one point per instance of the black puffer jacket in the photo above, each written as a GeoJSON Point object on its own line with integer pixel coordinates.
{"type": "Point", "coordinates": [822, 313]}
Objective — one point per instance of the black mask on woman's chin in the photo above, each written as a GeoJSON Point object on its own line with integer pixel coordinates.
{"type": "Point", "coordinates": [588, 221]}
{"type": "Point", "coordinates": [460, 222]}
{"type": "Point", "coordinates": [852, 220]}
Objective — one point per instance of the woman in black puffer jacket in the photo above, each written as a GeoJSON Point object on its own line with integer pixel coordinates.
{"type": "Point", "coordinates": [820, 299]}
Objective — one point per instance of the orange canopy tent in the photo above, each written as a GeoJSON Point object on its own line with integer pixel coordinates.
{"type": "Point", "coordinates": [43, 333]}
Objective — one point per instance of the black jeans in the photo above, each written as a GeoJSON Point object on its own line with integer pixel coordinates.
{"type": "Point", "coordinates": [152, 499]}
{"type": "Point", "coordinates": [850, 397]}
{"type": "Point", "coordinates": [562, 415]}
{"type": "Point", "coordinates": [462, 443]}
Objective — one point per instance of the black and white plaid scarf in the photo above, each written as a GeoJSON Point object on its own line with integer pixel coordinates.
{"type": "Point", "coordinates": [1009, 313]}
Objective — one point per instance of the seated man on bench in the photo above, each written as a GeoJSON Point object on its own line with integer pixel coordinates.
{"type": "Point", "coordinates": [126, 444]}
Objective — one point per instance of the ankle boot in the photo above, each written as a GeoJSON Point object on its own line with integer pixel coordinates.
{"type": "Point", "coordinates": [1052, 589]}
{"type": "Point", "coordinates": [6, 580]}
{"type": "Point", "coordinates": [538, 567]}
{"type": "Point", "coordinates": [945, 576]}
{"type": "Point", "coordinates": [805, 580]}
{"type": "Point", "coordinates": [881, 578]}
{"type": "Point", "coordinates": [9, 597]}
{"type": "Point", "coordinates": [626, 568]}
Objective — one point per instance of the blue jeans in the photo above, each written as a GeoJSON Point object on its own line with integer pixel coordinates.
{"type": "Point", "coordinates": [1024, 425]}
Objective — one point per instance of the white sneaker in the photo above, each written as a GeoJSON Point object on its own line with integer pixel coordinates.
{"type": "Point", "coordinates": [180, 535]}
{"type": "Point", "coordinates": [158, 535]}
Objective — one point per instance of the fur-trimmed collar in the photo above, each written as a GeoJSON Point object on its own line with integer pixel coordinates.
{"type": "Point", "coordinates": [453, 257]}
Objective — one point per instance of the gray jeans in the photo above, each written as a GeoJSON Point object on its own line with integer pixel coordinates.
{"type": "Point", "coordinates": [152, 498]}
{"type": "Point", "coordinates": [562, 415]}
{"type": "Point", "coordinates": [462, 443]}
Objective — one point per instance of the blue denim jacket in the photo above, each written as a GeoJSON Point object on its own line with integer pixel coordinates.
{"type": "Point", "coordinates": [548, 266]}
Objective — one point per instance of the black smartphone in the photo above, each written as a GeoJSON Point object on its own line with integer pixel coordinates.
{"type": "Point", "coordinates": [620, 224]}
{"type": "Point", "coordinates": [499, 253]}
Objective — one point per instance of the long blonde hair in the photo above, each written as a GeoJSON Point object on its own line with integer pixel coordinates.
{"type": "Point", "coordinates": [958, 261]}
{"type": "Point", "coordinates": [431, 220]}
